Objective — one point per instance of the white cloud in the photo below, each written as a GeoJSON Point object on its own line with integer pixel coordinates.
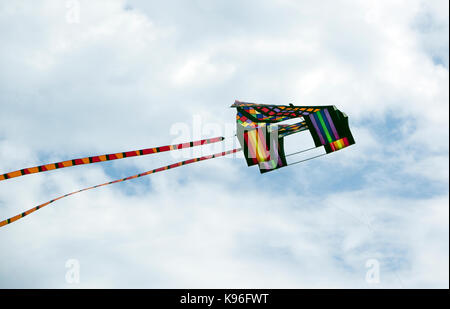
{"type": "Point", "coordinates": [200, 70]}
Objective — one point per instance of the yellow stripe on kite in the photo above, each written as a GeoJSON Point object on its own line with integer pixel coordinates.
{"type": "Point", "coordinates": [261, 147]}
{"type": "Point", "coordinates": [257, 145]}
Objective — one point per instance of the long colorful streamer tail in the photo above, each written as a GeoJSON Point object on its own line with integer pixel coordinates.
{"type": "Point", "coordinates": [107, 157]}
{"type": "Point", "coordinates": [160, 169]}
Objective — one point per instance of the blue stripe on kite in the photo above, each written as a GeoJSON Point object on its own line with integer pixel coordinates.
{"type": "Point", "coordinates": [322, 131]}
{"type": "Point", "coordinates": [316, 127]}
{"type": "Point", "coordinates": [324, 117]}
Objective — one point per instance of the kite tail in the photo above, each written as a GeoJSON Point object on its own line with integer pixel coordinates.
{"type": "Point", "coordinates": [160, 169]}
{"type": "Point", "coordinates": [107, 157]}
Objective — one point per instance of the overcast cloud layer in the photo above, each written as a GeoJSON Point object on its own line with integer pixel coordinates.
{"type": "Point", "coordinates": [123, 75]}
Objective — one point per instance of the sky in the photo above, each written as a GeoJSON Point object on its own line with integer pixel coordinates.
{"type": "Point", "coordinates": [82, 78]}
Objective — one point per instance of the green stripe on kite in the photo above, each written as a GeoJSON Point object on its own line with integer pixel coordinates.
{"type": "Point", "coordinates": [324, 127]}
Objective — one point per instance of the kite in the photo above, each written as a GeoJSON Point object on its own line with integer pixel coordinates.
{"type": "Point", "coordinates": [262, 138]}
{"type": "Point", "coordinates": [259, 129]}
